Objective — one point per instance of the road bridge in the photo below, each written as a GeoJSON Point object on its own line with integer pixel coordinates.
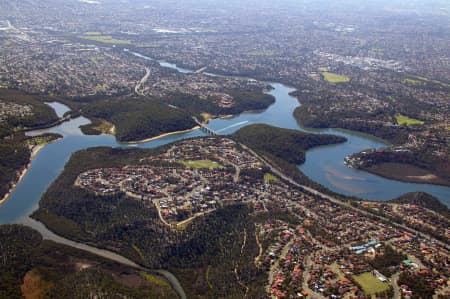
{"type": "Point", "coordinates": [205, 128]}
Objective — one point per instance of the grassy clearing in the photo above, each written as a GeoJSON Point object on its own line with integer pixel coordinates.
{"type": "Point", "coordinates": [335, 78]}
{"type": "Point", "coordinates": [38, 141]}
{"type": "Point", "coordinates": [156, 280]}
{"type": "Point", "coordinates": [93, 33]}
{"type": "Point", "coordinates": [268, 177]}
{"type": "Point", "coordinates": [104, 126]}
{"type": "Point", "coordinates": [106, 39]}
{"type": "Point", "coordinates": [201, 164]}
{"type": "Point", "coordinates": [370, 284]}
{"type": "Point", "coordinates": [97, 127]}
{"type": "Point", "coordinates": [404, 120]}
{"type": "Point", "coordinates": [207, 116]}
{"type": "Point", "coordinates": [101, 87]}
{"type": "Point", "coordinates": [411, 81]}
{"type": "Point", "coordinates": [263, 53]}
{"type": "Point", "coordinates": [417, 81]}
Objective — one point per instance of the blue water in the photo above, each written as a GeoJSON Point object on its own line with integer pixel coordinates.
{"type": "Point", "coordinates": [50, 161]}
{"type": "Point", "coordinates": [324, 165]}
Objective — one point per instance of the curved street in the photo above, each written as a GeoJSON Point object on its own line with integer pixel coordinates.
{"type": "Point", "coordinates": [49, 235]}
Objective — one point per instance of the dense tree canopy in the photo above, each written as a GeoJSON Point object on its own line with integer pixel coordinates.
{"type": "Point", "coordinates": [138, 118]}
{"type": "Point", "coordinates": [49, 270]}
{"type": "Point", "coordinates": [289, 145]}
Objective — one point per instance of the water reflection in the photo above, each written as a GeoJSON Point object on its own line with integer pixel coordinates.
{"type": "Point", "coordinates": [324, 165]}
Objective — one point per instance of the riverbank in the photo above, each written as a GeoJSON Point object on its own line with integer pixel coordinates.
{"type": "Point", "coordinates": [34, 151]}
{"type": "Point", "coordinates": [279, 114]}
{"type": "Point", "coordinates": [51, 125]}
{"type": "Point", "coordinates": [207, 117]}
{"type": "Point", "coordinates": [406, 173]}
{"type": "Point", "coordinates": [364, 139]}
{"type": "Point", "coordinates": [162, 135]}
{"type": "Point", "coordinates": [98, 126]}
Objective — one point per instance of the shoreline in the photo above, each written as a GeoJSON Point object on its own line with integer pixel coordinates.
{"type": "Point", "coordinates": [301, 124]}
{"type": "Point", "coordinates": [24, 170]}
{"type": "Point", "coordinates": [161, 136]}
{"type": "Point", "coordinates": [429, 179]}
{"type": "Point", "coordinates": [48, 126]}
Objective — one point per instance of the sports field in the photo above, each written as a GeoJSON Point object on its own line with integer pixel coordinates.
{"type": "Point", "coordinates": [404, 120]}
{"type": "Point", "coordinates": [106, 39]}
{"type": "Point", "coordinates": [335, 78]}
{"type": "Point", "coordinates": [201, 164]}
{"type": "Point", "coordinates": [370, 284]}
{"type": "Point", "coordinates": [270, 178]}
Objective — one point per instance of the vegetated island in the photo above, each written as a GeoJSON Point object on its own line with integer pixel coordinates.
{"type": "Point", "coordinates": [37, 268]}
{"type": "Point", "coordinates": [19, 112]}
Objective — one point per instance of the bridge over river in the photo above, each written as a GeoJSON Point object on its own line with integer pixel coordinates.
{"type": "Point", "coordinates": [205, 128]}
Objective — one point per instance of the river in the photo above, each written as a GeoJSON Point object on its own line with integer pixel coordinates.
{"type": "Point", "coordinates": [324, 165]}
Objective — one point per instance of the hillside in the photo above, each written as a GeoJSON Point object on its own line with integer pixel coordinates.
{"type": "Point", "coordinates": [34, 268]}
{"type": "Point", "coordinates": [196, 254]}
{"type": "Point", "coordinates": [243, 101]}
{"type": "Point", "coordinates": [289, 145]}
{"type": "Point", "coordinates": [424, 200]}
{"type": "Point", "coordinates": [20, 110]}
{"type": "Point", "coordinates": [138, 118]}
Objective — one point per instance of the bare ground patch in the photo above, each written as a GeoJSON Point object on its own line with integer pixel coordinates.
{"type": "Point", "coordinates": [407, 173]}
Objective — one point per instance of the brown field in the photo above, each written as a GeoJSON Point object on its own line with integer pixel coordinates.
{"type": "Point", "coordinates": [34, 287]}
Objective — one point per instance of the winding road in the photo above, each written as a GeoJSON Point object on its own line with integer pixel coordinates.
{"type": "Point", "coordinates": [142, 82]}
{"type": "Point", "coordinates": [49, 235]}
